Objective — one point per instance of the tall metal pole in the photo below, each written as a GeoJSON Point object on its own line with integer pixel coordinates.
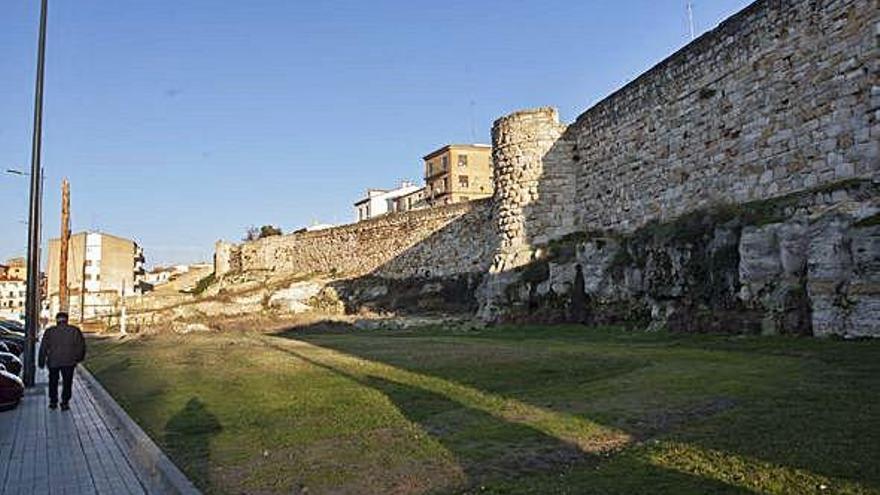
{"type": "Point", "coordinates": [32, 302]}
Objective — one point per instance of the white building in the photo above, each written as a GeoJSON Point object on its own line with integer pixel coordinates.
{"type": "Point", "coordinates": [100, 269]}
{"type": "Point", "coordinates": [12, 297]}
{"type": "Point", "coordinates": [381, 201]}
{"type": "Point", "coordinates": [158, 276]}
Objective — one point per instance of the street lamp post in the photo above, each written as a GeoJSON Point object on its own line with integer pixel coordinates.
{"type": "Point", "coordinates": [32, 302]}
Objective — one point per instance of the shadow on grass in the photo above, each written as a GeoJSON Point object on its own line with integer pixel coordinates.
{"type": "Point", "coordinates": [188, 436]}
{"type": "Point", "coordinates": [508, 447]}
{"type": "Point", "coordinates": [812, 423]}
{"type": "Point", "coordinates": [484, 446]}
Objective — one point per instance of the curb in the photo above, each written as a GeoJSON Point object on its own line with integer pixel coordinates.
{"type": "Point", "coordinates": [157, 473]}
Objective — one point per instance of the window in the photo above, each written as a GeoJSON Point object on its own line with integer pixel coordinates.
{"type": "Point", "coordinates": [463, 181]}
{"type": "Point", "coordinates": [446, 183]}
{"type": "Point", "coordinates": [462, 161]}
{"type": "Point", "coordinates": [444, 162]}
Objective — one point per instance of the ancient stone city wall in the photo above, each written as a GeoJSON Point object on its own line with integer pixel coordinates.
{"type": "Point", "coordinates": [436, 242]}
{"type": "Point", "coordinates": [780, 99]}
{"type": "Point", "coordinates": [783, 96]}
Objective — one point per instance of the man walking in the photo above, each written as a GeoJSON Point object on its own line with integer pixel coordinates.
{"type": "Point", "coordinates": [63, 346]}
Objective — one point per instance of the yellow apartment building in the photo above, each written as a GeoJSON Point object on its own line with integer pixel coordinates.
{"type": "Point", "coordinates": [457, 173]}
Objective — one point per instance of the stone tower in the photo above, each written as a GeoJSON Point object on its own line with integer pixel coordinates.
{"type": "Point", "coordinates": [534, 193]}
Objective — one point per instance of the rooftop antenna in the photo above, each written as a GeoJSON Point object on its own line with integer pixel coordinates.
{"type": "Point", "coordinates": [690, 13]}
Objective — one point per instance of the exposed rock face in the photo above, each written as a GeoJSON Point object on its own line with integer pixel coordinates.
{"type": "Point", "coordinates": [815, 273]}
{"type": "Point", "coordinates": [416, 295]}
{"type": "Point", "coordinates": [772, 272]}
{"type": "Point", "coordinates": [295, 298]}
{"type": "Point", "coordinates": [844, 278]}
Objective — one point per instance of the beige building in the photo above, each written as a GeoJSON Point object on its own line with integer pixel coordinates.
{"type": "Point", "coordinates": [458, 172]}
{"type": "Point", "coordinates": [99, 268]}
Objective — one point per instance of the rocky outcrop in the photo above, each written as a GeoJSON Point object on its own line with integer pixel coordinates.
{"type": "Point", "coordinates": [805, 264]}
{"type": "Point", "coordinates": [843, 277]}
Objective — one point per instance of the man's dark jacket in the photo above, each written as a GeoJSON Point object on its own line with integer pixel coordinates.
{"type": "Point", "coordinates": [62, 345]}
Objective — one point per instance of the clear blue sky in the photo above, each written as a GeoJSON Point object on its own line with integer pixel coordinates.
{"type": "Point", "coordinates": [182, 122]}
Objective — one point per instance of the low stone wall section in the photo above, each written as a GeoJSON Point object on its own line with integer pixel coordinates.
{"type": "Point", "coordinates": [436, 242]}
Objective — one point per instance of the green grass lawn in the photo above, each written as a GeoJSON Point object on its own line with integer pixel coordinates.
{"type": "Point", "coordinates": [504, 410]}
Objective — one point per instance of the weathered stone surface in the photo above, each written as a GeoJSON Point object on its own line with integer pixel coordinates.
{"type": "Point", "coordinates": [744, 114]}
{"type": "Point", "coordinates": [438, 242]}
{"type": "Point", "coordinates": [844, 278]}
{"type": "Point", "coordinates": [778, 104]}
{"type": "Point", "coordinates": [725, 270]}
{"type": "Point", "coordinates": [295, 299]}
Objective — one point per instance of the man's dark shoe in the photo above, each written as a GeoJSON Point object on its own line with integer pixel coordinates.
{"type": "Point", "coordinates": [65, 406]}
{"type": "Point", "coordinates": [53, 405]}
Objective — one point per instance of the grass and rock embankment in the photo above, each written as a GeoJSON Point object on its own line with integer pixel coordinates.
{"type": "Point", "coordinates": [330, 409]}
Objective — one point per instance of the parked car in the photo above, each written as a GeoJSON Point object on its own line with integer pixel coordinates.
{"type": "Point", "coordinates": [12, 346]}
{"type": "Point", "coordinates": [11, 390]}
{"type": "Point", "coordinates": [8, 334]}
{"type": "Point", "coordinates": [12, 324]}
{"type": "Point", "coordinates": [11, 363]}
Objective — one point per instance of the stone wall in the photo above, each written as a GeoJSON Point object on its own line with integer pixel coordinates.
{"type": "Point", "coordinates": [534, 183]}
{"type": "Point", "coordinates": [781, 98]}
{"type": "Point", "coordinates": [784, 96]}
{"type": "Point", "coordinates": [781, 102]}
{"type": "Point", "coordinates": [437, 242]}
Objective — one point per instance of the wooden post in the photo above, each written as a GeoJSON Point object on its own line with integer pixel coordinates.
{"type": "Point", "coordinates": [63, 289]}
{"type": "Point", "coordinates": [82, 293]}
{"type": "Point", "coordinates": [122, 316]}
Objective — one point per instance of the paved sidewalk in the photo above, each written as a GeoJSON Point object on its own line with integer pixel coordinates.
{"type": "Point", "coordinates": [62, 452]}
